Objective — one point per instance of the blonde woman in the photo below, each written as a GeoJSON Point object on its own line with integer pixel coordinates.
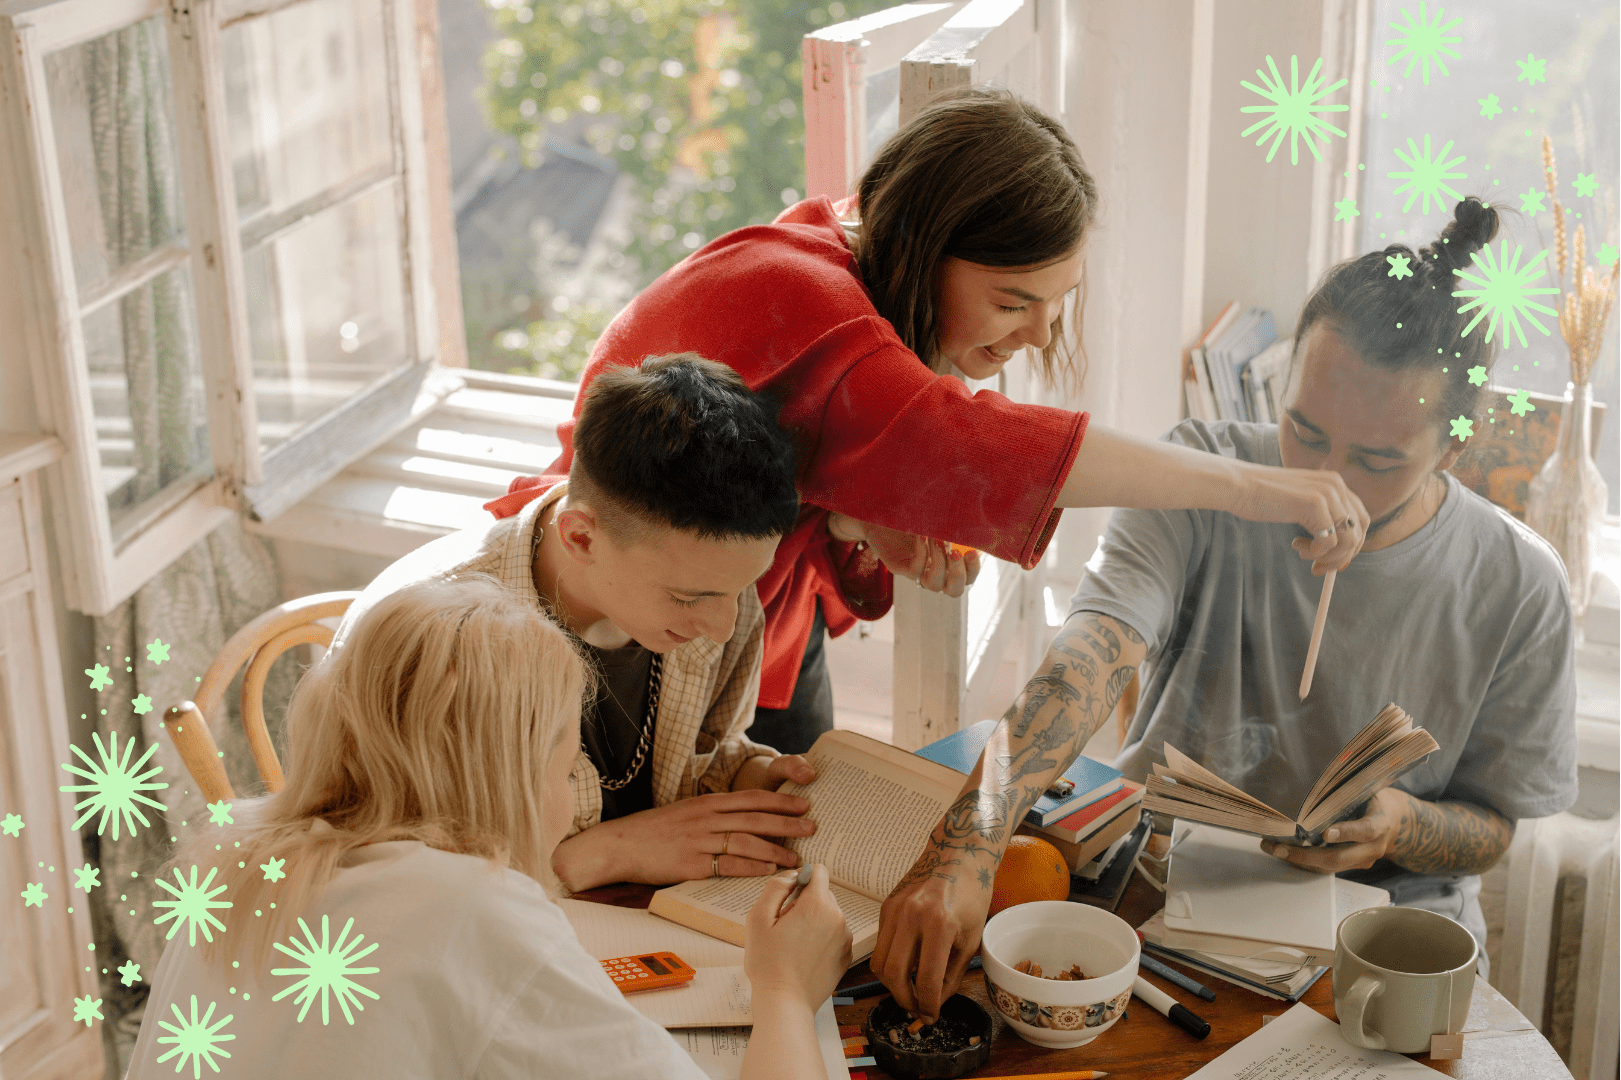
{"type": "Point", "coordinates": [428, 783]}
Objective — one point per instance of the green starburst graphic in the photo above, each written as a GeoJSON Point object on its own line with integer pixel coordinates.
{"type": "Point", "coordinates": [1477, 375]}
{"type": "Point", "coordinates": [1531, 201]}
{"type": "Point", "coordinates": [141, 703]}
{"type": "Point", "coordinates": [1293, 109]}
{"type": "Point", "coordinates": [1519, 403]}
{"type": "Point", "coordinates": [1503, 293]}
{"type": "Point", "coordinates": [192, 905]}
{"type": "Point", "coordinates": [115, 787]}
{"type": "Point", "coordinates": [272, 869]}
{"type": "Point", "coordinates": [1585, 184]}
{"type": "Point", "coordinates": [1462, 427]}
{"type": "Point", "coordinates": [1606, 256]}
{"type": "Point", "coordinates": [130, 973]}
{"type": "Point", "coordinates": [1489, 107]}
{"type": "Point", "coordinates": [157, 652]}
{"type": "Point", "coordinates": [14, 824]}
{"type": "Point", "coordinates": [1424, 41]}
{"type": "Point", "coordinates": [1345, 210]}
{"type": "Point", "coordinates": [35, 895]}
{"type": "Point", "coordinates": [1532, 70]}
{"type": "Point", "coordinates": [194, 1039]}
{"type": "Point", "coordinates": [86, 1009]}
{"type": "Point", "coordinates": [1398, 266]}
{"type": "Point", "coordinates": [327, 970]}
{"type": "Point", "coordinates": [219, 813]}
{"type": "Point", "coordinates": [1427, 175]}
{"type": "Point", "coordinates": [100, 677]}
{"type": "Point", "coordinates": [87, 878]}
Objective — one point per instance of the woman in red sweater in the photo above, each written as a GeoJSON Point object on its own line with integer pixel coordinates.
{"type": "Point", "coordinates": [968, 249]}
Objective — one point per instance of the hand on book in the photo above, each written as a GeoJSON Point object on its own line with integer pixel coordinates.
{"type": "Point", "coordinates": [680, 842]}
{"type": "Point", "coordinates": [804, 952]}
{"type": "Point", "coordinates": [1350, 845]}
{"type": "Point", "coordinates": [763, 773]}
{"type": "Point", "coordinates": [933, 565]}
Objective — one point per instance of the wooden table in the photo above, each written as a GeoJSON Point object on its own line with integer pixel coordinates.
{"type": "Point", "coordinates": [1144, 1045]}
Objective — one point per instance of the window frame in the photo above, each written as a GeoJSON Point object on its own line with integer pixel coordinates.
{"type": "Point", "coordinates": [101, 570]}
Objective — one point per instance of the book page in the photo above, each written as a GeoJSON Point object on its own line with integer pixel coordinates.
{"type": "Point", "coordinates": [730, 899]}
{"type": "Point", "coordinates": [607, 932]}
{"type": "Point", "coordinates": [716, 997]}
{"type": "Point", "coordinates": [1302, 1044]}
{"type": "Point", "coordinates": [719, 1051]}
{"type": "Point", "coordinates": [871, 819]}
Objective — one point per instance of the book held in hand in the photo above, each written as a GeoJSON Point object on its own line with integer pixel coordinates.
{"type": "Point", "coordinates": [1389, 746]}
{"type": "Point", "coordinates": [1091, 780]}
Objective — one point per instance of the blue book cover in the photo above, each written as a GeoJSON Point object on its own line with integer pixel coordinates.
{"type": "Point", "coordinates": [1092, 779]}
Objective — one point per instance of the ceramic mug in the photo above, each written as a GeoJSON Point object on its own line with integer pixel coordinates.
{"type": "Point", "coordinates": [1402, 975]}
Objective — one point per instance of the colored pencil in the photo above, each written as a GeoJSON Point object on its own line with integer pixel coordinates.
{"type": "Point", "coordinates": [1317, 634]}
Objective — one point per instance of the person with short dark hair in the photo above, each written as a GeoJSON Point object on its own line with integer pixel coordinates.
{"type": "Point", "coordinates": [681, 486]}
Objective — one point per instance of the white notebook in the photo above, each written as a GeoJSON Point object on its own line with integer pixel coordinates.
{"type": "Point", "coordinates": [1222, 883]}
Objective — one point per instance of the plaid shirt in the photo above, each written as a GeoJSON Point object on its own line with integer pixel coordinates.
{"type": "Point", "coordinates": [706, 699]}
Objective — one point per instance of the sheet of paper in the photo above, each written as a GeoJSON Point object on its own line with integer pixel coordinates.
{"type": "Point", "coordinates": [607, 932]}
{"type": "Point", "coordinates": [1303, 1044]}
{"type": "Point", "coordinates": [719, 1051]}
{"type": "Point", "coordinates": [716, 997]}
{"type": "Point", "coordinates": [1221, 882]}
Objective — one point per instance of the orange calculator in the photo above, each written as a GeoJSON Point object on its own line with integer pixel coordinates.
{"type": "Point", "coordinates": [656, 971]}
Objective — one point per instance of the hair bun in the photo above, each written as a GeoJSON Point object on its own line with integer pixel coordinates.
{"type": "Point", "coordinates": [1473, 226]}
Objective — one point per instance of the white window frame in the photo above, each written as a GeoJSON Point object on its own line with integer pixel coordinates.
{"type": "Point", "coordinates": [99, 572]}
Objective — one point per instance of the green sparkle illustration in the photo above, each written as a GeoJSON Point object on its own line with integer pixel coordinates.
{"type": "Point", "coordinates": [1293, 109]}
{"type": "Point", "coordinates": [1427, 175]}
{"type": "Point", "coordinates": [1345, 210]}
{"type": "Point", "coordinates": [1424, 41]}
{"type": "Point", "coordinates": [327, 970]}
{"type": "Point", "coordinates": [1398, 266]}
{"type": "Point", "coordinates": [87, 878]}
{"type": "Point", "coordinates": [157, 652]}
{"type": "Point", "coordinates": [1585, 184]}
{"type": "Point", "coordinates": [1503, 293]}
{"type": "Point", "coordinates": [272, 869]}
{"type": "Point", "coordinates": [87, 1010]}
{"type": "Point", "coordinates": [100, 677]}
{"type": "Point", "coordinates": [194, 1039]}
{"type": "Point", "coordinates": [192, 905]}
{"type": "Point", "coordinates": [1606, 255]}
{"type": "Point", "coordinates": [1462, 427]}
{"type": "Point", "coordinates": [1532, 70]}
{"type": "Point", "coordinates": [130, 973]}
{"type": "Point", "coordinates": [1489, 106]}
{"type": "Point", "coordinates": [1520, 403]}
{"type": "Point", "coordinates": [115, 786]}
{"type": "Point", "coordinates": [35, 895]}
{"type": "Point", "coordinates": [219, 813]}
{"type": "Point", "coordinates": [141, 704]}
{"type": "Point", "coordinates": [1477, 375]}
{"type": "Point", "coordinates": [1531, 201]}
{"type": "Point", "coordinates": [13, 824]}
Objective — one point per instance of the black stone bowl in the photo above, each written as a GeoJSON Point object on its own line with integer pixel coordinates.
{"type": "Point", "coordinates": [930, 1066]}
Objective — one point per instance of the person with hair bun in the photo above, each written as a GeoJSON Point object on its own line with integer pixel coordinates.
{"type": "Point", "coordinates": [1454, 610]}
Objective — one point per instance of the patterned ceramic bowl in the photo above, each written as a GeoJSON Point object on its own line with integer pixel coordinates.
{"type": "Point", "coordinates": [1056, 934]}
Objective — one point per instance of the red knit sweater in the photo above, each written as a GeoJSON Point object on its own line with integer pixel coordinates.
{"type": "Point", "coordinates": [880, 437]}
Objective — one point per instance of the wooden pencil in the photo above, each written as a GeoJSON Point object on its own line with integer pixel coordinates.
{"type": "Point", "coordinates": [1317, 634]}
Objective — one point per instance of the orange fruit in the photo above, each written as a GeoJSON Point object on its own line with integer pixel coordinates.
{"type": "Point", "coordinates": [1032, 869]}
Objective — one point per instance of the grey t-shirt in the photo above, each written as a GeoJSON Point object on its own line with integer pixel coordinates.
{"type": "Point", "coordinates": [1465, 624]}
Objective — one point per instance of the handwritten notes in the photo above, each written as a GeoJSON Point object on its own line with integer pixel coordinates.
{"type": "Point", "coordinates": [1302, 1044]}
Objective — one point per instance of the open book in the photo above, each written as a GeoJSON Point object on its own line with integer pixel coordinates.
{"type": "Point", "coordinates": [874, 806]}
{"type": "Point", "coordinates": [1382, 751]}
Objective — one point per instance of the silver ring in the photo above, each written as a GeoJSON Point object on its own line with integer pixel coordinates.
{"type": "Point", "coordinates": [1324, 533]}
{"type": "Point", "coordinates": [714, 866]}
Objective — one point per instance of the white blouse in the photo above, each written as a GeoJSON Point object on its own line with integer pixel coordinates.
{"type": "Point", "coordinates": [479, 976]}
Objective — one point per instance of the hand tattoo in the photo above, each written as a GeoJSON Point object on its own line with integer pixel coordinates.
{"type": "Point", "coordinates": [1450, 837]}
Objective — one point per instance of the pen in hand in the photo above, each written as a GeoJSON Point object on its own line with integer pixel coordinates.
{"type": "Point", "coordinates": [801, 880]}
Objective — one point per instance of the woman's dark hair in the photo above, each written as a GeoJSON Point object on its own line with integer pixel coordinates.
{"type": "Point", "coordinates": [982, 176]}
{"type": "Point", "coordinates": [1411, 322]}
{"type": "Point", "coordinates": [679, 441]}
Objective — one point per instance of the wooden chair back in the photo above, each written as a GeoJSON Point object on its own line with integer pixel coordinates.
{"type": "Point", "coordinates": [258, 644]}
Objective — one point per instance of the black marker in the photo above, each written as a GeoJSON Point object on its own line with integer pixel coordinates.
{"type": "Point", "coordinates": [1165, 1004]}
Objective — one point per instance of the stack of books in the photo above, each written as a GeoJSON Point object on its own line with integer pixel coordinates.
{"type": "Point", "coordinates": [1238, 368]}
{"type": "Point", "coordinates": [1100, 809]}
{"type": "Point", "coordinates": [1237, 913]}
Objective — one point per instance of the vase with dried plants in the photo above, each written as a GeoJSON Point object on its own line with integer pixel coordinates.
{"type": "Point", "coordinates": [1567, 499]}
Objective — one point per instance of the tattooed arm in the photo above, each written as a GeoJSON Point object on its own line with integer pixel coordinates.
{"type": "Point", "coordinates": [931, 922]}
{"type": "Point", "coordinates": [1417, 835]}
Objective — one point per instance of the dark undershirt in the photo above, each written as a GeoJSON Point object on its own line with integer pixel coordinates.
{"type": "Point", "coordinates": [611, 726]}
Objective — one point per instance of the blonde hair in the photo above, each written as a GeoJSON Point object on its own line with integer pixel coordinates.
{"type": "Point", "coordinates": [436, 721]}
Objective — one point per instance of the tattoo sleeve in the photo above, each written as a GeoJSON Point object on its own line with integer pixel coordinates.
{"type": "Point", "coordinates": [1450, 837]}
{"type": "Point", "coordinates": [1081, 678]}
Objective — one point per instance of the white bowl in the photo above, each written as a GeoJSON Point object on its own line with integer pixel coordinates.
{"type": "Point", "coordinates": [1056, 934]}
